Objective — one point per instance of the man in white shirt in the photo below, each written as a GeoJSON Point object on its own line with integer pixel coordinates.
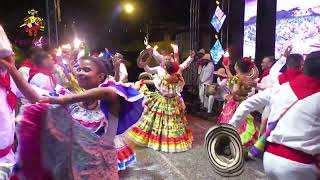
{"type": "Point", "coordinates": [271, 77]}
{"type": "Point", "coordinates": [7, 111]}
{"type": "Point", "coordinates": [41, 73]}
{"type": "Point", "coordinates": [123, 73]}
{"type": "Point", "coordinates": [205, 77]}
{"type": "Point", "coordinates": [221, 93]}
{"type": "Point", "coordinates": [25, 68]}
{"type": "Point", "coordinates": [293, 148]}
{"type": "Point", "coordinates": [294, 63]}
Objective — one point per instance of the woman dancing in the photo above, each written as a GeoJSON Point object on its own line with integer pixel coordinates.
{"type": "Point", "coordinates": [239, 86]}
{"type": "Point", "coordinates": [90, 154]}
{"type": "Point", "coordinates": [163, 124]}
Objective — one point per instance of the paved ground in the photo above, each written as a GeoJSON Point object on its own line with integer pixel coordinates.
{"type": "Point", "coordinates": [192, 164]}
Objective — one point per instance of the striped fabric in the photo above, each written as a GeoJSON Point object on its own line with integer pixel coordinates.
{"type": "Point", "coordinates": [163, 124]}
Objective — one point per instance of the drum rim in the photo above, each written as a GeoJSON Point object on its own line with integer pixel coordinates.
{"type": "Point", "coordinates": [217, 88]}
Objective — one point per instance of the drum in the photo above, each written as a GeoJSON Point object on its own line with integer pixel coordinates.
{"type": "Point", "coordinates": [145, 76]}
{"type": "Point", "coordinates": [144, 58]}
{"type": "Point", "coordinates": [212, 89]}
{"type": "Point", "coordinates": [224, 149]}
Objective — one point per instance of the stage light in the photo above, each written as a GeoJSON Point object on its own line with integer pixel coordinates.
{"type": "Point", "coordinates": [226, 54]}
{"type": "Point", "coordinates": [59, 52]}
{"type": "Point", "coordinates": [76, 43]}
{"type": "Point", "coordinates": [129, 8]}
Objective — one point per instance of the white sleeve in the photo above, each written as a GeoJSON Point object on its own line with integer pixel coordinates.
{"type": "Point", "coordinates": [24, 72]}
{"type": "Point", "coordinates": [186, 63]}
{"type": "Point", "coordinates": [42, 81]}
{"type": "Point", "coordinates": [123, 72]}
{"type": "Point", "coordinates": [266, 82]}
{"type": "Point", "coordinates": [275, 69]}
{"type": "Point", "coordinates": [39, 91]}
{"type": "Point", "coordinates": [158, 57]}
{"type": "Point", "coordinates": [222, 82]}
{"type": "Point", "coordinates": [209, 69]}
{"type": "Point", "coordinates": [253, 103]}
{"type": "Point", "coordinates": [151, 70]}
{"type": "Point", "coordinates": [199, 70]}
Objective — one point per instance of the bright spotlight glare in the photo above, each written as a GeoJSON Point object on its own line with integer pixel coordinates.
{"type": "Point", "coordinates": [128, 8]}
{"type": "Point", "coordinates": [76, 43]}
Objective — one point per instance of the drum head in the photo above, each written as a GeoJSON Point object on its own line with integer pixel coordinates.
{"type": "Point", "coordinates": [145, 76]}
{"type": "Point", "coordinates": [224, 148]}
{"type": "Point", "coordinates": [144, 58]}
{"type": "Point", "coordinates": [212, 89]}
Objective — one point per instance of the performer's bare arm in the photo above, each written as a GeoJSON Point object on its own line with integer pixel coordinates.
{"type": "Point", "coordinates": [100, 93]}
{"type": "Point", "coordinates": [229, 74]}
{"type": "Point", "coordinates": [21, 83]}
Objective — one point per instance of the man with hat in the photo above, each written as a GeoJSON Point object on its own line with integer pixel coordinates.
{"type": "Point", "coordinates": [205, 71]}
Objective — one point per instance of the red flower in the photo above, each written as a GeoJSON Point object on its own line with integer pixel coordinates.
{"type": "Point", "coordinates": [248, 60]}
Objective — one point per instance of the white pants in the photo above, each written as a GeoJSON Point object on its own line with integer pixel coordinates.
{"type": "Point", "coordinates": [206, 101]}
{"type": "Point", "coordinates": [265, 113]}
{"type": "Point", "coordinates": [202, 92]}
{"type": "Point", "coordinates": [278, 168]}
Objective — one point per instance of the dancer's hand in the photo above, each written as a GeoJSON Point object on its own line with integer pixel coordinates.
{"type": "Point", "coordinates": [192, 54]}
{"type": "Point", "coordinates": [117, 63]}
{"type": "Point", "coordinates": [155, 48]}
{"type": "Point", "coordinates": [288, 50]}
{"type": "Point", "coordinates": [175, 48]}
{"type": "Point", "coordinates": [146, 43]}
{"type": "Point", "coordinates": [7, 62]}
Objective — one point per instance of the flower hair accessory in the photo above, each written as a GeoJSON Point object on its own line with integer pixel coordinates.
{"type": "Point", "coordinates": [248, 60]}
{"type": "Point", "coordinates": [175, 66]}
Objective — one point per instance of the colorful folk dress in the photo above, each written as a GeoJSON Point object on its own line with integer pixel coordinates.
{"type": "Point", "coordinates": [125, 153]}
{"type": "Point", "coordinates": [69, 142]}
{"type": "Point", "coordinates": [163, 126]}
{"type": "Point", "coordinates": [248, 129]}
{"type": "Point", "coordinates": [95, 121]}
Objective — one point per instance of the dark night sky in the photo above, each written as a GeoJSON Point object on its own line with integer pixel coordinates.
{"type": "Point", "coordinates": [94, 18]}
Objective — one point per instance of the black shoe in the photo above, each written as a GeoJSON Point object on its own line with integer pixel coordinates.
{"type": "Point", "coordinates": [203, 108]}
